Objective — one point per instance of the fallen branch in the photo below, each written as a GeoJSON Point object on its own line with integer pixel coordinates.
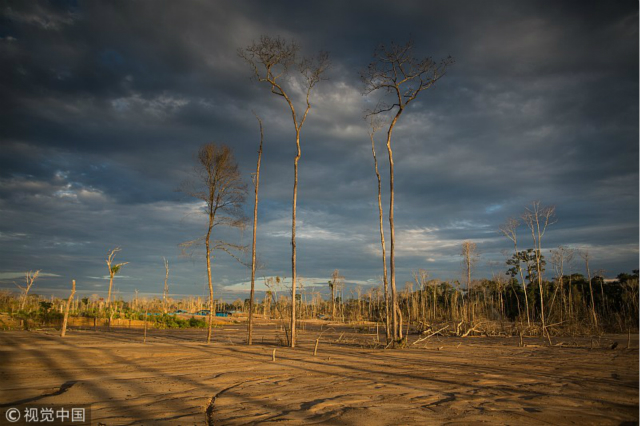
{"type": "Point", "coordinates": [430, 335]}
{"type": "Point", "coordinates": [474, 328]}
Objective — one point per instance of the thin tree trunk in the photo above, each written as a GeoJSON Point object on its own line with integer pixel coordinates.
{"type": "Point", "coordinates": [66, 311]}
{"type": "Point", "coordinates": [382, 244]}
{"type": "Point", "coordinates": [165, 292]}
{"type": "Point", "coordinates": [211, 313]}
{"type": "Point", "coordinates": [255, 228]}
{"type": "Point", "coordinates": [392, 232]}
{"type": "Point", "coordinates": [293, 241]}
{"type": "Point", "coordinates": [539, 270]}
{"type": "Point", "coordinates": [110, 285]}
{"type": "Point", "coordinates": [333, 301]}
{"type": "Point", "coordinates": [593, 306]}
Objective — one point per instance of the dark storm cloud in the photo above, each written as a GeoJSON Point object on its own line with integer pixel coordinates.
{"type": "Point", "coordinates": [105, 104]}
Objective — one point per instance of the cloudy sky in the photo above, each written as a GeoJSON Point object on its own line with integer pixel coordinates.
{"type": "Point", "coordinates": [104, 105]}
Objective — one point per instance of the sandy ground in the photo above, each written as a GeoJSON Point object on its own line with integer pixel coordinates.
{"type": "Point", "coordinates": [176, 379]}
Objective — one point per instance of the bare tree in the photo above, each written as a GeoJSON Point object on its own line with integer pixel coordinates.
{"type": "Point", "coordinates": [422, 283]}
{"type": "Point", "coordinates": [336, 283]}
{"type": "Point", "coordinates": [165, 292]}
{"type": "Point", "coordinates": [396, 71]}
{"type": "Point", "coordinates": [584, 254]}
{"type": "Point", "coordinates": [374, 124]}
{"type": "Point", "coordinates": [63, 330]}
{"type": "Point", "coordinates": [538, 218]}
{"type": "Point", "coordinates": [469, 253]}
{"type": "Point", "coordinates": [510, 230]}
{"type": "Point", "coordinates": [30, 278]}
{"type": "Point", "coordinates": [113, 269]}
{"type": "Point", "coordinates": [256, 182]}
{"type": "Point", "coordinates": [559, 258]}
{"type": "Point", "coordinates": [219, 185]}
{"type": "Point", "coordinates": [271, 60]}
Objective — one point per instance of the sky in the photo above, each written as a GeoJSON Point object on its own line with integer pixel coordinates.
{"type": "Point", "coordinates": [105, 104]}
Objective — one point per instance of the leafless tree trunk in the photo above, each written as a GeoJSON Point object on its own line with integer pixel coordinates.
{"type": "Point", "coordinates": [267, 304]}
{"type": "Point", "coordinates": [585, 255]}
{"type": "Point", "coordinates": [374, 127]}
{"type": "Point", "coordinates": [537, 219]}
{"type": "Point", "coordinates": [30, 278]}
{"type": "Point", "coordinates": [63, 331]}
{"type": "Point", "coordinates": [219, 184]}
{"type": "Point", "coordinates": [337, 281]}
{"type": "Point", "coordinates": [559, 258]}
{"type": "Point", "coordinates": [255, 229]}
{"type": "Point", "coordinates": [146, 318]}
{"type": "Point", "coordinates": [270, 60]}
{"type": "Point", "coordinates": [165, 292]}
{"type": "Point", "coordinates": [359, 293]}
{"type": "Point", "coordinates": [212, 309]}
{"type": "Point", "coordinates": [510, 230]}
{"type": "Point", "coordinates": [469, 254]}
{"type": "Point", "coordinates": [421, 278]}
{"type": "Point", "coordinates": [396, 71]}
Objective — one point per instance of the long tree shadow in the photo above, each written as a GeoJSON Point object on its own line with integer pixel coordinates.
{"type": "Point", "coordinates": [250, 355]}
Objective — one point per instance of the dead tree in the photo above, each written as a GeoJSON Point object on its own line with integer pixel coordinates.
{"type": "Point", "coordinates": [256, 182]}
{"type": "Point", "coordinates": [559, 258]}
{"type": "Point", "coordinates": [422, 283]}
{"type": "Point", "coordinates": [469, 253]}
{"type": "Point", "coordinates": [374, 126]}
{"type": "Point", "coordinates": [30, 278]}
{"type": "Point", "coordinates": [337, 281]}
{"type": "Point", "coordinates": [63, 331]}
{"type": "Point", "coordinates": [396, 71]}
{"type": "Point", "coordinates": [271, 60]}
{"type": "Point", "coordinates": [510, 230]}
{"type": "Point", "coordinates": [219, 185]}
{"type": "Point", "coordinates": [165, 292]}
{"type": "Point", "coordinates": [113, 270]}
{"type": "Point", "coordinates": [267, 304]}
{"type": "Point", "coordinates": [584, 254]}
{"type": "Point", "coordinates": [537, 219]}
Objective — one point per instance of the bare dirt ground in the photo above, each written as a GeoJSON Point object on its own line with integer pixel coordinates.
{"type": "Point", "coordinates": [176, 379]}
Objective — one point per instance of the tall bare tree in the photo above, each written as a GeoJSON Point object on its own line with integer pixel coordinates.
{"type": "Point", "coordinates": [510, 230]}
{"type": "Point", "coordinates": [63, 330]}
{"type": "Point", "coordinates": [30, 278]}
{"type": "Point", "coordinates": [538, 218]}
{"type": "Point", "coordinates": [374, 124]}
{"type": "Point", "coordinates": [256, 184]}
{"type": "Point", "coordinates": [219, 185]}
{"type": "Point", "coordinates": [113, 269]}
{"type": "Point", "coordinates": [585, 255]}
{"type": "Point", "coordinates": [559, 259]}
{"type": "Point", "coordinates": [422, 282]}
{"type": "Point", "coordinates": [469, 253]}
{"type": "Point", "coordinates": [271, 59]}
{"type": "Point", "coordinates": [396, 71]}
{"type": "Point", "coordinates": [336, 283]}
{"type": "Point", "coordinates": [165, 292]}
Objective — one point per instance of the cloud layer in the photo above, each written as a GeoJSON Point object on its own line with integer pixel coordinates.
{"type": "Point", "coordinates": [105, 104]}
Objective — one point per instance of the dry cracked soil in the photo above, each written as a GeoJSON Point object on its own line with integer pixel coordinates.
{"type": "Point", "coordinates": [176, 379]}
